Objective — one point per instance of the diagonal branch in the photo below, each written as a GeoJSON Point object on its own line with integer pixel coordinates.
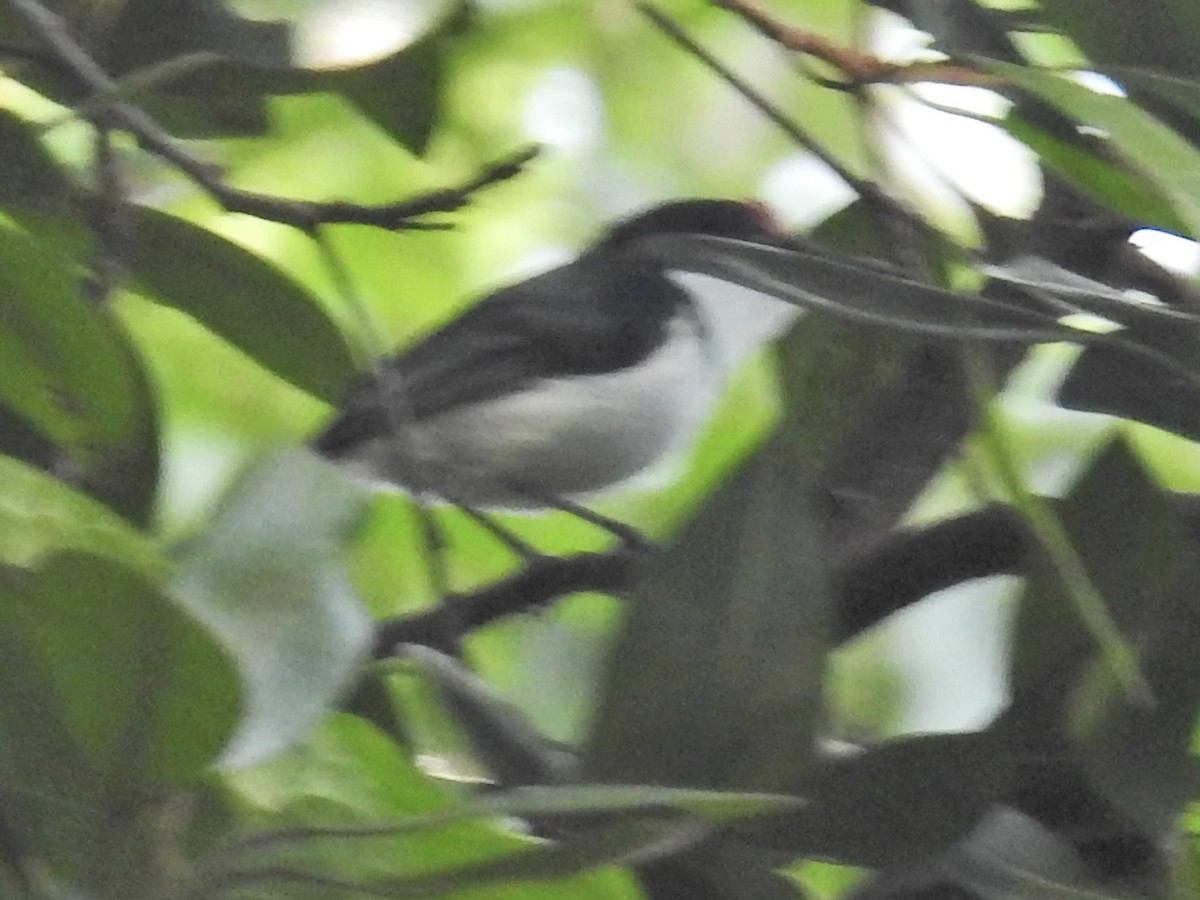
{"type": "Point", "coordinates": [857, 67]}
{"type": "Point", "coordinates": [52, 30]}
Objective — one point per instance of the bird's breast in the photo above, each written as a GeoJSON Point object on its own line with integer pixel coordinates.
{"type": "Point", "coordinates": [570, 436]}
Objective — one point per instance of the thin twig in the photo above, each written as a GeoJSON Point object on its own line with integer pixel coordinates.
{"type": "Point", "coordinates": [302, 214]}
{"type": "Point", "coordinates": [671, 29]}
{"type": "Point", "coordinates": [535, 586]}
{"type": "Point", "coordinates": [858, 67]}
{"type": "Point", "coordinates": [889, 208]}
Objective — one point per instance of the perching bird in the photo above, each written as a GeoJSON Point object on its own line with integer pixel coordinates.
{"type": "Point", "coordinates": [574, 381]}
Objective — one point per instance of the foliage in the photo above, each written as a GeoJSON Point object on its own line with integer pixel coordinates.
{"type": "Point", "coordinates": [227, 672]}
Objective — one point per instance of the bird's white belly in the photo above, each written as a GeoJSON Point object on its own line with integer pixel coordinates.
{"type": "Point", "coordinates": [575, 436]}
{"type": "Point", "coordinates": [581, 434]}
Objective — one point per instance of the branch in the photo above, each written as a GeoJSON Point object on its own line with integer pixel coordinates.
{"type": "Point", "coordinates": [535, 586]}
{"type": "Point", "coordinates": [302, 214]}
{"type": "Point", "coordinates": [897, 221]}
{"type": "Point", "coordinates": [908, 566]}
{"type": "Point", "coordinates": [857, 67]}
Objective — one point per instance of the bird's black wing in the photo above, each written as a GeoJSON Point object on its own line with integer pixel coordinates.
{"type": "Point", "coordinates": [546, 327]}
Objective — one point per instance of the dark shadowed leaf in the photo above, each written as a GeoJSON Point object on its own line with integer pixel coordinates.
{"type": "Point", "coordinates": [267, 577]}
{"type": "Point", "coordinates": [1113, 379]}
{"type": "Point", "coordinates": [1012, 857]}
{"type": "Point", "coordinates": [1161, 36]}
{"type": "Point", "coordinates": [894, 803]}
{"type": "Point", "coordinates": [400, 93]}
{"type": "Point", "coordinates": [1140, 756]}
{"type": "Point", "coordinates": [856, 290]}
{"type": "Point", "coordinates": [1132, 545]}
{"type": "Point", "coordinates": [35, 191]}
{"type": "Point", "coordinates": [1135, 751]}
{"type": "Point", "coordinates": [383, 55]}
{"type": "Point", "coordinates": [715, 680]}
{"type": "Point", "coordinates": [241, 297]}
{"type": "Point", "coordinates": [67, 369]}
{"type": "Point", "coordinates": [52, 795]}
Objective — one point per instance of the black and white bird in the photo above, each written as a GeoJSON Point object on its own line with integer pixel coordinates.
{"type": "Point", "coordinates": [586, 377]}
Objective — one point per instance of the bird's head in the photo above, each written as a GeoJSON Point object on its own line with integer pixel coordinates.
{"type": "Point", "coordinates": [744, 220]}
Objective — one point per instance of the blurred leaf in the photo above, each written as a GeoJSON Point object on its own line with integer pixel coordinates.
{"type": "Point", "coordinates": [347, 786]}
{"type": "Point", "coordinates": [1161, 36]}
{"type": "Point", "coordinates": [894, 803]}
{"type": "Point", "coordinates": [500, 735]}
{"type": "Point", "coordinates": [713, 807]}
{"type": "Point", "coordinates": [1140, 756]}
{"type": "Point", "coordinates": [1175, 99]}
{"type": "Point", "coordinates": [36, 191]}
{"type": "Point", "coordinates": [1135, 551]}
{"type": "Point", "coordinates": [622, 842]}
{"type": "Point", "coordinates": [871, 412]}
{"type": "Point", "coordinates": [383, 55]}
{"type": "Point", "coordinates": [400, 94]}
{"type": "Point", "coordinates": [726, 870]}
{"type": "Point", "coordinates": [1104, 179]}
{"type": "Point", "coordinates": [267, 577]}
{"type": "Point", "coordinates": [40, 515]}
{"type": "Point", "coordinates": [854, 289]}
{"type": "Point", "coordinates": [715, 679]}
{"type": "Point", "coordinates": [145, 691]}
{"type": "Point", "coordinates": [1152, 149]}
{"type": "Point", "coordinates": [67, 368]}
{"type": "Point", "coordinates": [1009, 856]}
{"type": "Point", "coordinates": [150, 31]}
{"type": "Point", "coordinates": [1113, 378]}
{"type": "Point", "coordinates": [241, 297]}
{"type": "Point", "coordinates": [51, 793]}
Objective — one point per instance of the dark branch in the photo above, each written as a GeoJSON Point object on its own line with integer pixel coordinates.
{"type": "Point", "coordinates": [535, 586]}
{"type": "Point", "coordinates": [899, 221]}
{"type": "Point", "coordinates": [910, 565]}
{"type": "Point", "coordinates": [859, 68]}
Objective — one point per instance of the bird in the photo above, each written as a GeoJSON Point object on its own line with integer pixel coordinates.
{"type": "Point", "coordinates": [588, 377]}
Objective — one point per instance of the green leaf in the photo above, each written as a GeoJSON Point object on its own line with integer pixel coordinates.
{"type": "Point", "coordinates": [600, 825]}
{"type": "Point", "coordinates": [353, 794]}
{"type": "Point", "coordinates": [41, 515]}
{"type": "Point", "coordinates": [146, 693]}
{"type": "Point", "coordinates": [267, 577]}
{"type": "Point", "coordinates": [1104, 179]}
{"type": "Point", "coordinates": [66, 367]}
{"type": "Point", "coordinates": [242, 298]}
{"type": "Point", "coordinates": [1167, 161]}
{"type": "Point", "coordinates": [715, 680]}
{"type": "Point", "coordinates": [52, 795]}
{"type": "Point", "coordinates": [623, 842]}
